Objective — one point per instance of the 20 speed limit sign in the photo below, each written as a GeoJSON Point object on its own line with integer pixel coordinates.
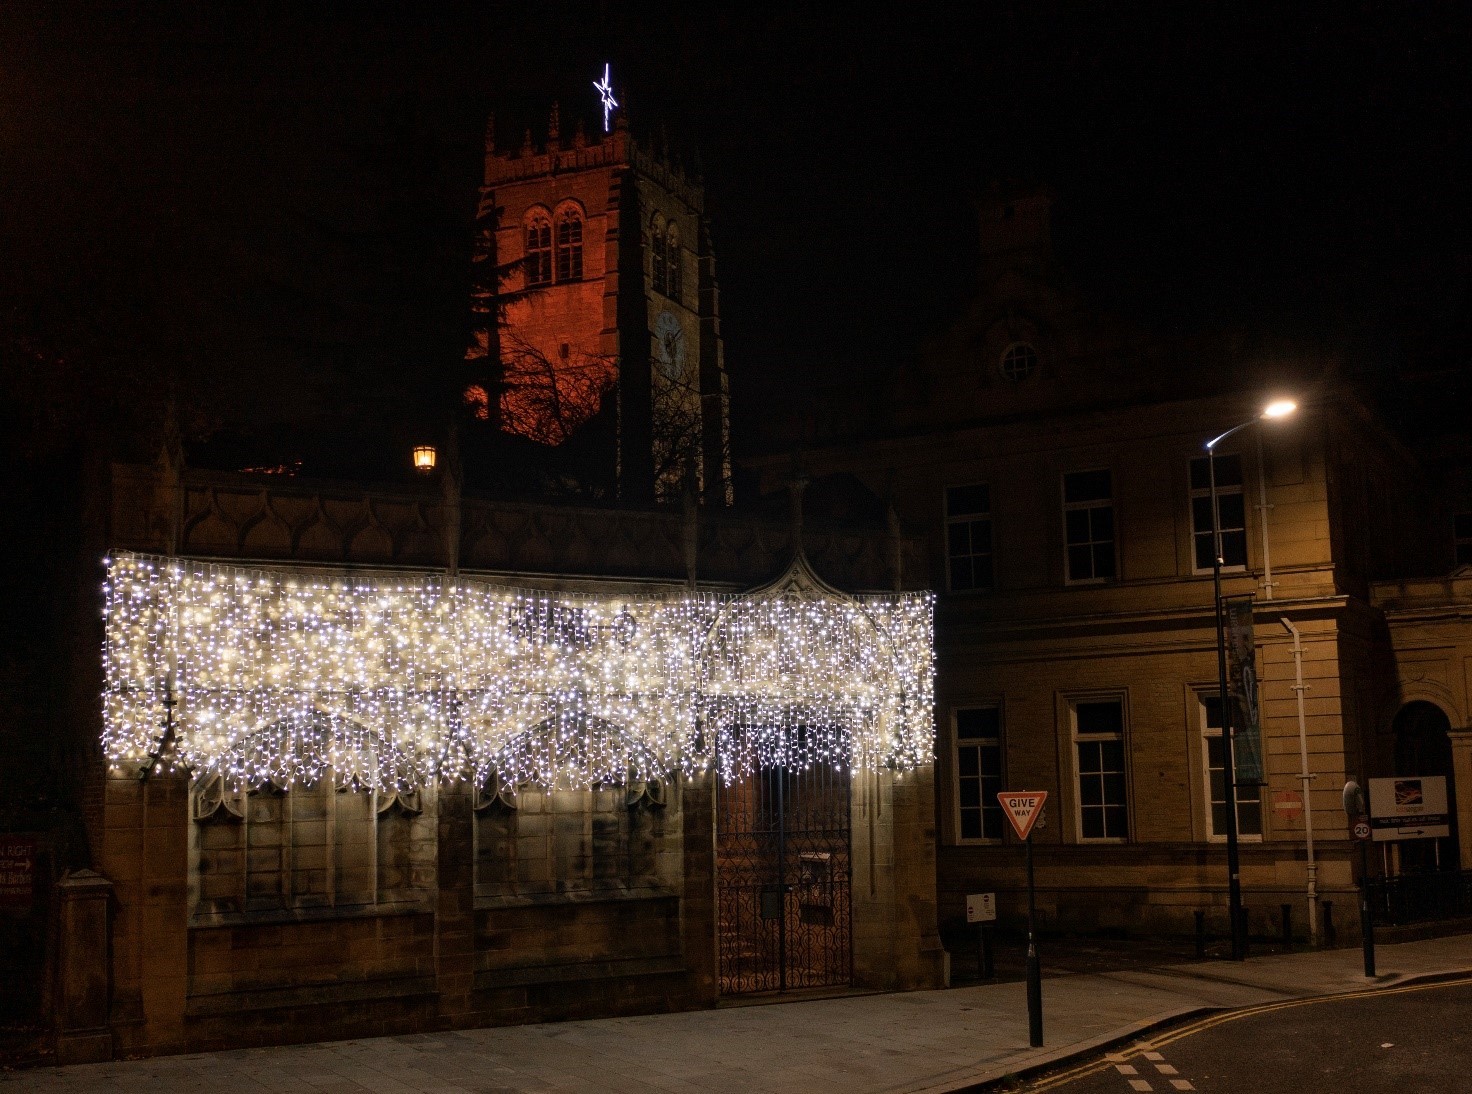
{"type": "Point", "coordinates": [1360, 829]}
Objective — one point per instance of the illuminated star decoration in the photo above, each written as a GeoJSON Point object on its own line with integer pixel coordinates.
{"type": "Point", "coordinates": [605, 91]}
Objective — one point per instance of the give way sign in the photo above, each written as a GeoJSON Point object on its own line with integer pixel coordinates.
{"type": "Point", "coordinates": [1022, 808]}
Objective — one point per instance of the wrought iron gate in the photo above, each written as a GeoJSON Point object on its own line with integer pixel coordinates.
{"type": "Point", "coordinates": [783, 880]}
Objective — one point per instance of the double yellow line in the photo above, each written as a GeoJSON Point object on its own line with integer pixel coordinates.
{"type": "Point", "coordinates": [1212, 1020]}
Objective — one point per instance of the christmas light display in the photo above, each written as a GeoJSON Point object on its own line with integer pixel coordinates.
{"type": "Point", "coordinates": [395, 681]}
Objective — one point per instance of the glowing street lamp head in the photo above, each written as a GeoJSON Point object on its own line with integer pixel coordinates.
{"type": "Point", "coordinates": [1279, 408]}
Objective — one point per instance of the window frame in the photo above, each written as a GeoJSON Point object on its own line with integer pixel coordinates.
{"type": "Point", "coordinates": [1461, 544]}
{"type": "Point", "coordinates": [567, 248]}
{"type": "Point", "coordinates": [969, 518]}
{"type": "Point", "coordinates": [537, 219]}
{"type": "Point", "coordinates": [1238, 489]}
{"type": "Point", "coordinates": [1074, 701]}
{"type": "Point", "coordinates": [1018, 347]}
{"type": "Point", "coordinates": [1088, 506]}
{"type": "Point", "coordinates": [998, 742]}
{"type": "Point", "coordinates": [1205, 734]}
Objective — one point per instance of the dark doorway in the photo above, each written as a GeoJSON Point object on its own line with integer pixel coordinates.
{"type": "Point", "coordinates": [783, 880]}
{"type": "Point", "coordinates": [1422, 747]}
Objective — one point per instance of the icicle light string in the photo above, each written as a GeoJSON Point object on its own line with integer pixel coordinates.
{"type": "Point", "coordinates": [396, 682]}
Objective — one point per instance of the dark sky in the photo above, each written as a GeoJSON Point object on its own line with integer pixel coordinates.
{"type": "Point", "coordinates": [277, 197]}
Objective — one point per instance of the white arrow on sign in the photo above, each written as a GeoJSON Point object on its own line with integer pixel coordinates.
{"type": "Point", "coordinates": [1022, 808]}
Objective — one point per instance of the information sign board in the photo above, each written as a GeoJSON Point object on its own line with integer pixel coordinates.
{"type": "Point", "coordinates": [1409, 807]}
{"type": "Point", "coordinates": [981, 907]}
{"type": "Point", "coordinates": [17, 871]}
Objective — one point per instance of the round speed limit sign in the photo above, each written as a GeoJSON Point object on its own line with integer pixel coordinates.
{"type": "Point", "coordinates": [1361, 829]}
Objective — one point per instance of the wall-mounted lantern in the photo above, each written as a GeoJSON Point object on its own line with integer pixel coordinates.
{"type": "Point", "coordinates": [424, 458]}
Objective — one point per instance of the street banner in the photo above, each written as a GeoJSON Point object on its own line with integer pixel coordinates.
{"type": "Point", "coordinates": [1410, 807]}
{"type": "Point", "coordinates": [1242, 692]}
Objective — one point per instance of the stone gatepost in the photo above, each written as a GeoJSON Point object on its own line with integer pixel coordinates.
{"type": "Point", "coordinates": [1462, 783]}
{"type": "Point", "coordinates": [82, 969]}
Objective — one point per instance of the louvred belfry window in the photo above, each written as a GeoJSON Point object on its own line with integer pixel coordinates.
{"type": "Point", "coordinates": [673, 273]}
{"type": "Point", "coordinates": [657, 254]}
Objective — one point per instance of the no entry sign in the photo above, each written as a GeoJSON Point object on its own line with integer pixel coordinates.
{"type": "Point", "coordinates": [1022, 808]}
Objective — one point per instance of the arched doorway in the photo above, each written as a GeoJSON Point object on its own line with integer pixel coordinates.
{"type": "Point", "coordinates": [1423, 748]}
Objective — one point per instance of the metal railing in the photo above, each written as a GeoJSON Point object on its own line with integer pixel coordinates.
{"type": "Point", "coordinates": [1421, 898]}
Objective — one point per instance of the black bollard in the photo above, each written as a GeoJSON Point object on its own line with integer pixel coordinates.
{"type": "Point", "coordinates": [988, 963]}
{"type": "Point", "coordinates": [1288, 926]}
{"type": "Point", "coordinates": [1200, 933]}
{"type": "Point", "coordinates": [1330, 935]}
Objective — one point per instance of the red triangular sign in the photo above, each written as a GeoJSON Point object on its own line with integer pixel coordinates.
{"type": "Point", "coordinates": [1022, 808]}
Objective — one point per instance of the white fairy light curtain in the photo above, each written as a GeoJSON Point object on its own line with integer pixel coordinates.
{"type": "Point", "coordinates": [395, 681]}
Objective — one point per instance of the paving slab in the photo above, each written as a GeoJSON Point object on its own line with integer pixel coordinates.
{"type": "Point", "coordinates": [908, 1043]}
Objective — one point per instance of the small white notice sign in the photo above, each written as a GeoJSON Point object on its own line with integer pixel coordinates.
{"type": "Point", "coordinates": [981, 907]}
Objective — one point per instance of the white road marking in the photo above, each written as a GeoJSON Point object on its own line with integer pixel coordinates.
{"type": "Point", "coordinates": [1182, 1084]}
{"type": "Point", "coordinates": [1165, 1069]}
{"type": "Point", "coordinates": [1153, 1057]}
{"type": "Point", "coordinates": [1126, 1069]}
{"type": "Point", "coordinates": [1140, 1084]}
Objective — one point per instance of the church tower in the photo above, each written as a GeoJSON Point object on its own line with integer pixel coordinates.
{"type": "Point", "coordinates": [596, 306]}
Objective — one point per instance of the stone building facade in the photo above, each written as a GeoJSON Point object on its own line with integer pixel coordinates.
{"type": "Point", "coordinates": [272, 911]}
{"type": "Point", "coordinates": [1055, 459]}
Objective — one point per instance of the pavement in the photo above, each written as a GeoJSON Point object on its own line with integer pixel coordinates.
{"type": "Point", "coordinates": [931, 1042]}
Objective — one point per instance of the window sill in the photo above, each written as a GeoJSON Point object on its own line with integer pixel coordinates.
{"type": "Point", "coordinates": [315, 914]}
{"type": "Point", "coordinates": [485, 901]}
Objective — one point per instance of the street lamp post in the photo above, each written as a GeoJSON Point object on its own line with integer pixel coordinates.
{"type": "Point", "coordinates": [1278, 409]}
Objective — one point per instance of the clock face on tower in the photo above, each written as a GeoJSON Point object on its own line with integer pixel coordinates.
{"type": "Point", "coordinates": [669, 346]}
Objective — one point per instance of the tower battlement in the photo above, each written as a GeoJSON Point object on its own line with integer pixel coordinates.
{"type": "Point", "coordinates": [557, 154]}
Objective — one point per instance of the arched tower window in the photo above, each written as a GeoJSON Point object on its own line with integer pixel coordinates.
{"type": "Point", "coordinates": [673, 265]}
{"type": "Point", "coordinates": [538, 248]}
{"type": "Point", "coordinates": [569, 244]}
{"type": "Point", "coordinates": [656, 250]}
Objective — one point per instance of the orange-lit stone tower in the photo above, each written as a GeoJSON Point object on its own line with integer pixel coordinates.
{"type": "Point", "coordinates": [605, 303]}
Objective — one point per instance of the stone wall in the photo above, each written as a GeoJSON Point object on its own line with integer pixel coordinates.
{"type": "Point", "coordinates": [227, 515]}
